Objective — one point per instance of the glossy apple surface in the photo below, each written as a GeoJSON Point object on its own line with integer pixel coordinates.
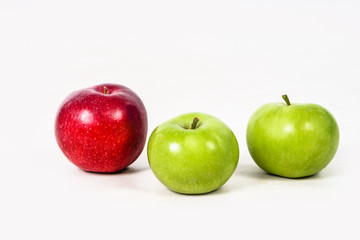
{"type": "Point", "coordinates": [193, 158]}
{"type": "Point", "coordinates": [102, 128]}
{"type": "Point", "coordinates": [292, 140]}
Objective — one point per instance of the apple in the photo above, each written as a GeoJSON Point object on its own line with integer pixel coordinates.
{"type": "Point", "coordinates": [193, 153]}
{"type": "Point", "coordinates": [292, 140]}
{"type": "Point", "coordinates": [102, 128]}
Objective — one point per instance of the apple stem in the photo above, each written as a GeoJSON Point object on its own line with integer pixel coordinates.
{"type": "Point", "coordinates": [286, 99]}
{"type": "Point", "coordinates": [194, 123]}
{"type": "Point", "coordinates": [105, 90]}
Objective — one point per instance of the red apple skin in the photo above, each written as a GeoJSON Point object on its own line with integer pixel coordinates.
{"type": "Point", "coordinates": [102, 132]}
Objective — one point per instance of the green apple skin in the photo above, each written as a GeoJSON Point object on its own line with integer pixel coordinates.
{"type": "Point", "coordinates": [193, 161]}
{"type": "Point", "coordinates": [292, 141]}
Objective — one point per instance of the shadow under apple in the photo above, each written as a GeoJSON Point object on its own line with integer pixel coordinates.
{"type": "Point", "coordinates": [125, 171]}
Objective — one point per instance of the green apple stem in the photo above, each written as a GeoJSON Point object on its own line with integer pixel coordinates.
{"type": "Point", "coordinates": [286, 99]}
{"type": "Point", "coordinates": [194, 123]}
{"type": "Point", "coordinates": [105, 90]}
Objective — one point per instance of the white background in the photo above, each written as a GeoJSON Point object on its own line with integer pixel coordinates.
{"type": "Point", "coordinates": [224, 58]}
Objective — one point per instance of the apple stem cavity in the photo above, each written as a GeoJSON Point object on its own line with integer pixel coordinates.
{"type": "Point", "coordinates": [105, 90]}
{"type": "Point", "coordinates": [194, 123]}
{"type": "Point", "coordinates": [286, 99]}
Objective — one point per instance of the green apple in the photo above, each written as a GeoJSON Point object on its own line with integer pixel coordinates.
{"type": "Point", "coordinates": [193, 153]}
{"type": "Point", "coordinates": [292, 140]}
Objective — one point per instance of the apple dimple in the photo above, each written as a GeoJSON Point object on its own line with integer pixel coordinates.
{"type": "Point", "coordinates": [195, 124]}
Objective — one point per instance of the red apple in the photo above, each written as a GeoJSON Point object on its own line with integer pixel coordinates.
{"type": "Point", "coordinates": [102, 128]}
